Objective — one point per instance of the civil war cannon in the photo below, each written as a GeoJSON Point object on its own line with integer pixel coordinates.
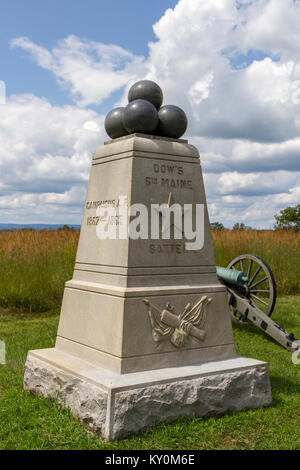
{"type": "Point", "coordinates": [252, 294]}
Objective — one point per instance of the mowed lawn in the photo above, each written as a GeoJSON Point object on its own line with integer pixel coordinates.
{"type": "Point", "coordinates": [31, 422]}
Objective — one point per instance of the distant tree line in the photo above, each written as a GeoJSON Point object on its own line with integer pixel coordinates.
{"type": "Point", "coordinates": [66, 227]}
{"type": "Point", "coordinates": [287, 219]}
{"type": "Point", "coordinates": [237, 226]}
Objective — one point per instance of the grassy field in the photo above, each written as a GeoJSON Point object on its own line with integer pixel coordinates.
{"type": "Point", "coordinates": [33, 268]}
{"type": "Point", "coordinates": [34, 265]}
{"type": "Point", "coordinates": [31, 422]}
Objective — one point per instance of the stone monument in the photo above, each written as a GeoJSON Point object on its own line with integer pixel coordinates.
{"type": "Point", "coordinates": [145, 331]}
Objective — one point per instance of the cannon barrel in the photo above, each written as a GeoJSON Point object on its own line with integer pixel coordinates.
{"type": "Point", "coordinates": [232, 276]}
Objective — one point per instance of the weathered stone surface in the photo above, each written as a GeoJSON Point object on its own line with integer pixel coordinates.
{"type": "Point", "coordinates": [122, 405]}
{"type": "Point", "coordinates": [214, 395]}
{"type": "Point", "coordinates": [85, 400]}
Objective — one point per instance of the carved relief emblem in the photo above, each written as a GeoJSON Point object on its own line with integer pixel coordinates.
{"type": "Point", "coordinates": [166, 325]}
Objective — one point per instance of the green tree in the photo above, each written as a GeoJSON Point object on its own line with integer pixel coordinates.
{"type": "Point", "coordinates": [217, 226]}
{"type": "Point", "coordinates": [238, 226]}
{"type": "Point", "coordinates": [65, 227]}
{"type": "Point", "coordinates": [288, 218]}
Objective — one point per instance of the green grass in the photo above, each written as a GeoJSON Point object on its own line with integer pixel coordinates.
{"type": "Point", "coordinates": [31, 422]}
{"type": "Point", "coordinates": [34, 265]}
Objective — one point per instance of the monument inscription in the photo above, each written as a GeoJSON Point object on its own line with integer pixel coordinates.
{"type": "Point", "coordinates": [166, 176]}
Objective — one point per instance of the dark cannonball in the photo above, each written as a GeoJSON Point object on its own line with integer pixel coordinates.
{"type": "Point", "coordinates": [172, 121]}
{"type": "Point", "coordinates": [114, 123]}
{"type": "Point", "coordinates": [140, 116]}
{"type": "Point", "coordinates": [146, 90]}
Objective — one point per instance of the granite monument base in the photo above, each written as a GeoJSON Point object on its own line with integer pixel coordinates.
{"type": "Point", "coordinates": [115, 405]}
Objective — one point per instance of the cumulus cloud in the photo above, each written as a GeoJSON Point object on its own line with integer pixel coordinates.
{"type": "Point", "coordinates": [234, 66]}
{"type": "Point", "coordinates": [238, 196]}
{"type": "Point", "coordinates": [194, 60]}
{"type": "Point", "coordinates": [90, 70]}
{"type": "Point", "coordinates": [45, 155]}
{"type": "Point", "coordinates": [255, 184]}
{"type": "Point", "coordinates": [218, 155]}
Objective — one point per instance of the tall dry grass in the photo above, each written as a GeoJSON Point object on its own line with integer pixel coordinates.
{"type": "Point", "coordinates": [280, 249]}
{"type": "Point", "coordinates": [34, 265]}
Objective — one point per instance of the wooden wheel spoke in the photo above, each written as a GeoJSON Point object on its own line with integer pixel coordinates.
{"type": "Point", "coordinates": [259, 299]}
{"type": "Point", "coordinates": [260, 282]}
{"type": "Point", "coordinates": [242, 265]}
{"type": "Point", "coordinates": [250, 268]}
{"type": "Point", "coordinates": [266, 291]}
{"type": "Point", "coordinates": [255, 275]}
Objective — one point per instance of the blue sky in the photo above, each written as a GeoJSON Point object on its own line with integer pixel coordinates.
{"type": "Point", "coordinates": [233, 66]}
{"type": "Point", "coordinates": [126, 23]}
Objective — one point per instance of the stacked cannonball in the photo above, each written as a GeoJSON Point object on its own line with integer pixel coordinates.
{"type": "Point", "coordinates": [144, 114]}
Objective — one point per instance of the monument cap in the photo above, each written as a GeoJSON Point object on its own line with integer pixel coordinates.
{"type": "Point", "coordinates": [140, 116]}
{"type": "Point", "coordinates": [145, 115]}
{"type": "Point", "coordinates": [172, 121]}
{"type": "Point", "coordinates": [146, 90]}
{"type": "Point", "coordinates": [114, 123]}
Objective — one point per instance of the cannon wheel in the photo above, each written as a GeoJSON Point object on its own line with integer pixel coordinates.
{"type": "Point", "coordinates": [261, 288]}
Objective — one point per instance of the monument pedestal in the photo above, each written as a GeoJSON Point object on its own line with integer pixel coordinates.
{"type": "Point", "coordinates": [116, 406]}
{"type": "Point", "coordinates": [145, 332]}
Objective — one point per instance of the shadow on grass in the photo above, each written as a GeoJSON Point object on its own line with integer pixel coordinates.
{"type": "Point", "coordinates": [284, 386]}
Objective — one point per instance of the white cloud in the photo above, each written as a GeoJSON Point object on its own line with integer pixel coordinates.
{"type": "Point", "coordinates": [231, 65]}
{"type": "Point", "coordinates": [90, 70]}
{"type": "Point", "coordinates": [235, 182]}
{"type": "Point", "coordinates": [290, 198]}
{"type": "Point", "coordinates": [252, 198]}
{"type": "Point", "coordinates": [272, 25]}
{"type": "Point", "coordinates": [200, 90]}
{"type": "Point", "coordinates": [192, 59]}
{"type": "Point", "coordinates": [45, 155]}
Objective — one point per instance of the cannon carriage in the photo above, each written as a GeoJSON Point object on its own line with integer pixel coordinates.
{"type": "Point", "coordinates": [252, 295]}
